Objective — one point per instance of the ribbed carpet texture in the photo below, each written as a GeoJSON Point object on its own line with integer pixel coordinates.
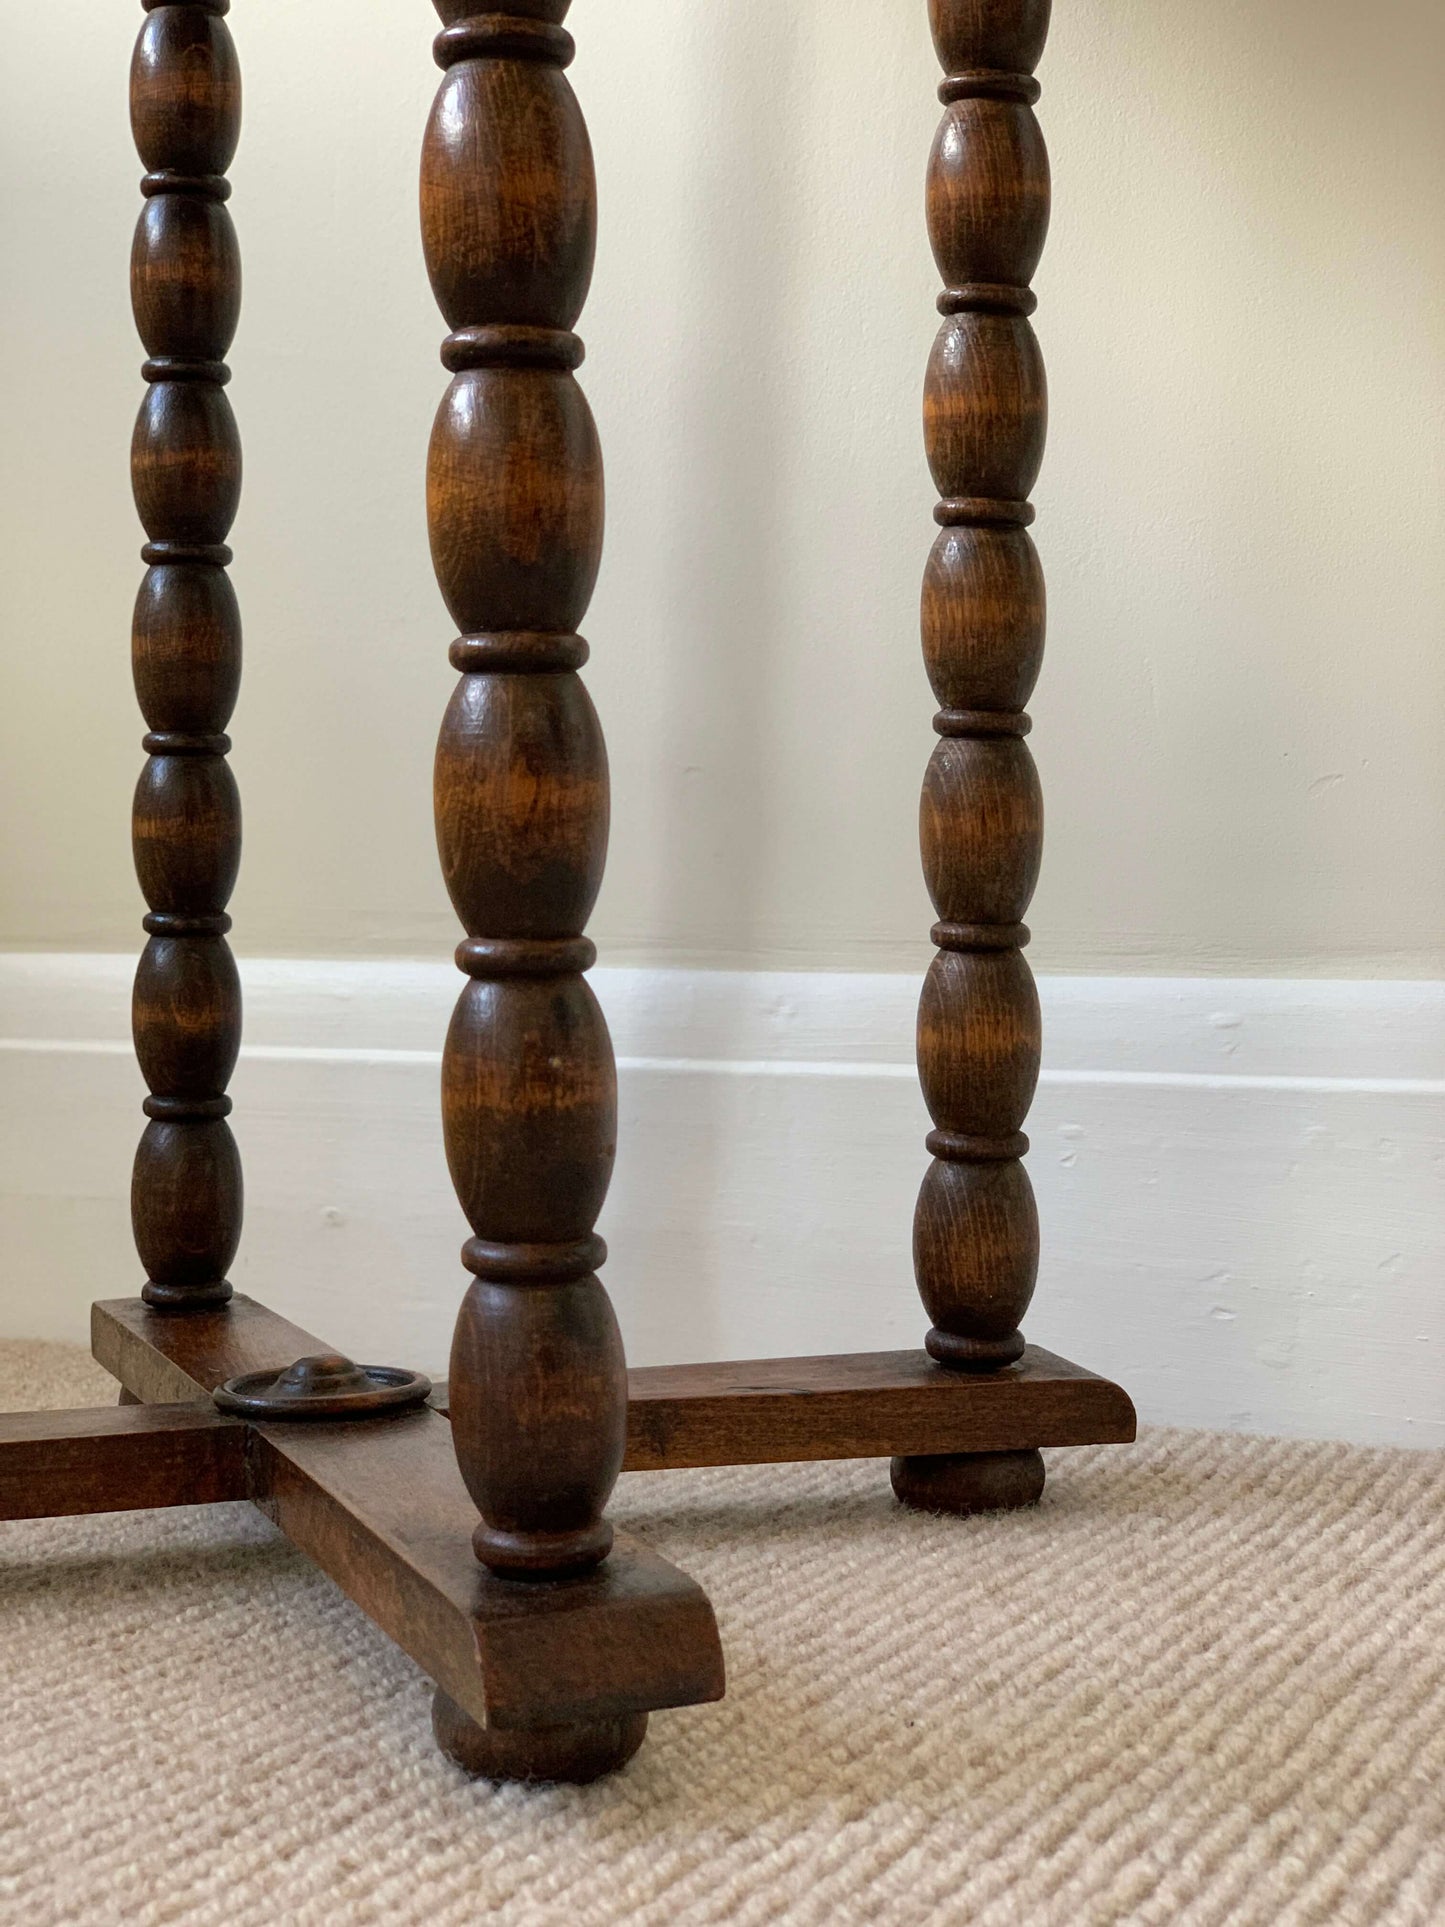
{"type": "Point", "coordinates": [1203, 1682]}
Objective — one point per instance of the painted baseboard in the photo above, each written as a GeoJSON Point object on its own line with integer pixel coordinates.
{"type": "Point", "coordinates": [1240, 1180]}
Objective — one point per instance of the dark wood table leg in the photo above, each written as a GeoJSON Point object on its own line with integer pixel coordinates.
{"type": "Point", "coordinates": [976, 1240]}
{"type": "Point", "coordinates": [186, 468]}
{"type": "Point", "coordinates": [514, 503]}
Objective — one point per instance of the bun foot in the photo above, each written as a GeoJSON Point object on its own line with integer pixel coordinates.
{"type": "Point", "coordinates": [572, 1754]}
{"type": "Point", "coordinates": [964, 1483]}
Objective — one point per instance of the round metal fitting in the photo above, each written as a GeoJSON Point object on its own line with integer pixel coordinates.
{"type": "Point", "coordinates": [328, 1386]}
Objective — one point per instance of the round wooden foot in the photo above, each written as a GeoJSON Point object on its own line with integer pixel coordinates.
{"type": "Point", "coordinates": [574, 1754]}
{"type": "Point", "coordinates": [963, 1483]}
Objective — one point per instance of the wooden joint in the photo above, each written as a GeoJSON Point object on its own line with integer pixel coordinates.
{"type": "Point", "coordinates": [963, 1352]}
{"type": "Point", "coordinates": [168, 1110]}
{"type": "Point", "coordinates": [216, 554]}
{"type": "Point", "coordinates": [512, 345]}
{"type": "Point", "coordinates": [175, 368]}
{"type": "Point", "coordinates": [979, 936]}
{"type": "Point", "coordinates": [179, 742]}
{"type": "Point", "coordinates": [515, 652]}
{"type": "Point", "coordinates": [533, 1556]}
{"type": "Point", "coordinates": [982, 722]}
{"type": "Point", "coordinates": [988, 83]}
{"type": "Point", "coordinates": [499, 957]}
{"type": "Point", "coordinates": [169, 1300]}
{"type": "Point", "coordinates": [534, 1264]}
{"type": "Point", "coordinates": [383, 1511]}
{"type": "Point", "coordinates": [987, 297]}
{"type": "Point", "coordinates": [982, 512]}
{"type": "Point", "coordinates": [168, 923]}
{"type": "Point", "coordinates": [165, 180]}
{"type": "Point", "coordinates": [503, 36]}
{"type": "Point", "coordinates": [959, 1147]}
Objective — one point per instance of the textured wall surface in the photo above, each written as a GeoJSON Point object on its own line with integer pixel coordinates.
{"type": "Point", "coordinates": [1239, 724]}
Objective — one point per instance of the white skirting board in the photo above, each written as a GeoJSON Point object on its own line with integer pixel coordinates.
{"type": "Point", "coordinates": [1241, 1181]}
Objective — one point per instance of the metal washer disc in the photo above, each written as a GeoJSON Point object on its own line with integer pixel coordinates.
{"type": "Point", "coordinates": [327, 1386]}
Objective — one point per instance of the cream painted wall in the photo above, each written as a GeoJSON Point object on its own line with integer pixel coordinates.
{"type": "Point", "coordinates": [1240, 723]}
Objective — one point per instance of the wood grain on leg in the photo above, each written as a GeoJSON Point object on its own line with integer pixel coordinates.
{"type": "Point", "coordinates": [975, 1232]}
{"type": "Point", "coordinates": [514, 507]}
{"type": "Point", "coordinates": [529, 1088]}
{"type": "Point", "coordinates": [185, 277]}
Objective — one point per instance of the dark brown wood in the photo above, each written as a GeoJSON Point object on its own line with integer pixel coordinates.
{"type": "Point", "coordinates": [381, 1507]}
{"type": "Point", "coordinates": [118, 1459]}
{"type": "Point", "coordinates": [572, 1754]}
{"type": "Point", "coordinates": [976, 1235]}
{"type": "Point", "coordinates": [529, 1088]}
{"type": "Point", "coordinates": [859, 1405]}
{"type": "Point", "coordinates": [159, 1366]}
{"type": "Point", "coordinates": [185, 101]}
{"type": "Point", "coordinates": [981, 1482]}
{"type": "Point", "coordinates": [514, 506]}
{"type": "Point", "coordinates": [862, 1405]}
{"type": "Point", "coordinates": [550, 1641]}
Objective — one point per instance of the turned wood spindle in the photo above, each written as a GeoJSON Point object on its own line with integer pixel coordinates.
{"type": "Point", "coordinates": [515, 508]}
{"type": "Point", "coordinates": [185, 102]}
{"type": "Point", "coordinates": [976, 1241]}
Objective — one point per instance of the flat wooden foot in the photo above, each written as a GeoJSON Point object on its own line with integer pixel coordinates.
{"type": "Point", "coordinates": [964, 1483]}
{"type": "Point", "coordinates": [573, 1754]}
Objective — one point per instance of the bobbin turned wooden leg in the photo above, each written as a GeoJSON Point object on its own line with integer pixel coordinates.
{"type": "Point", "coordinates": [529, 1097]}
{"type": "Point", "coordinates": [186, 470]}
{"type": "Point", "coordinates": [976, 1242]}
{"type": "Point", "coordinates": [962, 1422]}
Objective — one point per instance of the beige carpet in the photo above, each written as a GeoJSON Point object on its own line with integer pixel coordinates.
{"type": "Point", "coordinates": [1204, 1682]}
